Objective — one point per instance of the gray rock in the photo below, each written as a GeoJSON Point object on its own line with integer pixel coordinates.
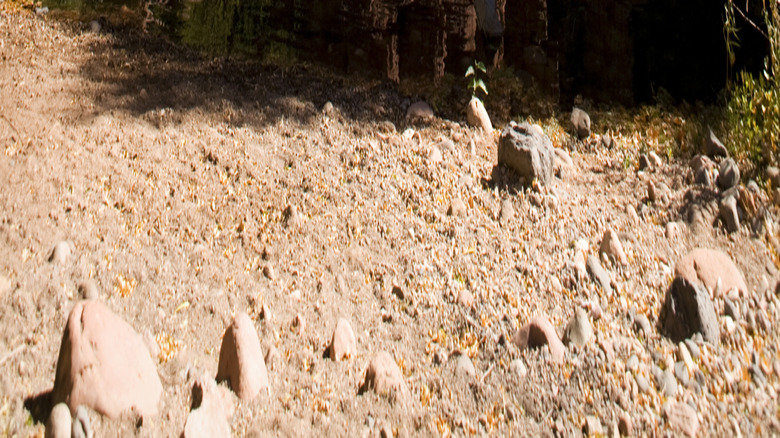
{"type": "Point", "coordinates": [59, 423]}
{"type": "Point", "coordinates": [655, 160]}
{"type": "Point", "coordinates": [728, 214]}
{"type": "Point", "coordinates": [668, 384]}
{"type": "Point", "coordinates": [419, 110]}
{"type": "Point", "coordinates": [642, 324]}
{"type": "Point", "coordinates": [599, 274]}
{"type": "Point", "coordinates": [81, 425]}
{"type": "Point", "coordinates": [728, 174]}
{"type": "Point", "coordinates": [687, 309]}
{"type": "Point", "coordinates": [527, 152]}
{"type": "Point", "coordinates": [693, 349]}
{"type": "Point", "coordinates": [580, 120]}
{"type": "Point", "coordinates": [463, 366]}
{"type": "Point", "coordinates": [713, 147]}
{"type": "Point", "coordinates": [518, 369]}
{"type": "Point", "coordinates": [632, 363]}
{"type": "Point", "coordinates": [773, 176]}
{"type": "Point", "coordinates": [642, 384]}
{"type": "Point", "coordinates": [592, 426]}
{"type": "Point", "coordinates": [681, 372]}
{"type": "Point", "coordinates": [731, 309]}
{"type": "Point", "coordinates": [579, 330]}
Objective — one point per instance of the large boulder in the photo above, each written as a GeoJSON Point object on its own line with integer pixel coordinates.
{"type": "Point", "coordinates": [104, 365]}
{"type": "Point", "coordinates": [706, 266]}
{"type": "Point", "coordinates": [687, 310]}
{"type": "Point", "coordinates": [241, 361]}
{"type": "Point", "coordinates": [527, 151]}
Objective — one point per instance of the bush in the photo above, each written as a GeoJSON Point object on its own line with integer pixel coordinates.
{"type": "Point", "coordinates": [753, 110]}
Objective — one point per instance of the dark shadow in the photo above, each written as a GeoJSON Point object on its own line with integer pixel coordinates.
{"type": "Point", "coordinates": [39, 406]}
{"type": "Point", "coordinates": [505, 180]}
{"type": "Point", "coordinates": [150, 76]}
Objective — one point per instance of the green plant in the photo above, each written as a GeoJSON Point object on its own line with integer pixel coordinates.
{"type": "Point", "coordinates": [476, 83]}
{"type": "Point", "coordinates": [753, 111]}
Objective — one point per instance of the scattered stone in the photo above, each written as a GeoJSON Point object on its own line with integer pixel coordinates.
{"type": "Point", "coordinates": [82, 428]}
{"type": "Point", "coordinates": [529, 154]}
{"type": "Point", "coordinates": [434, 156]}
{"type": "Point", "coordinates": [706, 266]}
{"type": "Point", "coordinates": [518, 369]}
{"type": "Point", "coordinates": [465, 298]}
{"type": "Point", "coordinates": [644, 162]}
{"type": "Point", "coordinates": [682, 417]}
{"type": "Point", "coordinates": [625, 424]}
{"type": "Point", "coordinates": [668, 384]}
{"type": "Point", "coordinates": [728, 214]}
{"type": "Point", "coordinates": [611, 246]}
{"type": "Point", "coordinates": [419, 111]}
{"type": "Point", "coordinates": [299, 324]}
{"type": "Point", "coordinates": [343, 344]}
{"type": "Point", "coordinates": [672, 230]}
{"type": "Point", "coordinates": [463, 365]}
{"type": "Point", "coordinates": [688, 309]}
{"type": "Point", "coordinates": [728, 174]}
{"type": "Point", "coordinates": [59, 423]}
{"type": "Point", "coordinates": [327, 109]}
{"type": "Point", "coordinates": [507, 211]}
{"type": "Point", "coordinates": [88, 290]}
{"type": "Point", "coordinates": [579, 330]}
{"type": "Point", "coordinates": [537, 333]}
{"type": "Point", "coordinates": [95, 26]}
{"type": "Point", "coordinates": [642, 324]}
{"type": "Point", "coordinates": [384, 377]}
{"type": "Point", "coordinates": [580, 120]}
{"type": "Point", "coordinates": [599, 274]}
{"type": "Point", "coordinates": [652, 193]}
{"type": "Point", "coordinates": [61, 253]}
{"type": "Point", "coordinates": [773, 176]}
{"type": "Point", "coordinates": [292, 218]}
{"type": "Point", "coordinates": [713, 147]}
{"type": "Point", "coordinates": [457, 208]}
{"type": "Point", "coordinates": [104, 365]}
{"type": "Point", "coordinates": [681, 372]}
{"type": "Point", "coordinates": [241, 361]}
{"type": "Point", "coordinates": [269, 272]}
{"type": "Point", "coordinates": [632, 215]}
{"type": "Point", "coordinates": [210, 411]}
{"type": "Point", "coordinates": [632, 363]}
{"type": "Point", "coordinates": [642, 384]}
{"type": "Point", "coordinates": [272, 357]}
{"type": "Point", "coordinates": [685, 356]}
{"type": "Point", "coordinates": [655, 160]}
{"type": "Point", "coordinates": [477, 116]}
{"type": "Point", "coordinates": [592, 426]}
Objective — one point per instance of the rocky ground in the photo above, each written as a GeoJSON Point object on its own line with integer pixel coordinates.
{"type": "Point", "coordinates": [182, 192]}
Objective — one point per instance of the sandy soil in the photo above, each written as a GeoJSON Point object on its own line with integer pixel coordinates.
{"type": "Point", "coordinates": [190, 188]}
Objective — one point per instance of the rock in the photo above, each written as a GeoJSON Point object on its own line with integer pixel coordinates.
{"type": "Point", "coordinates": [706, 266]}
{"type": "Point", "coordinates": [599, 274]}
{"type": "Point", "coordinates": [457, 208]}
{"type": "Point", "coordinates": [477, 116]}
{"type": "Point", "coordinates": [728, 174]}
{"type": "Point", "coordinates": [687, 309]}
{"type": "Point", "coordinates": [529, 154]}
{"type": "Point", "coordinates": [95, 26]}
{"type": "Point", "coordinates": [682, 417]}
{"type": "Point", "coordinates": [562, 163]}
{"type": "Point", "coordinates": [773, 176]}
{"type": "Point", "coordinates": [702, 168]}
{"type": "Point", "coordinates": [580, 120]}
{"type": "Point", "coordinates": [632, 214]}
{"type": "Point", "coordinates": [209, 412]}
{"type": "Point", "coordinates": [644, 162]}
{"type": "Point", "coordinates": [241, 361]}
{"type": "Point", "coordinates": [642, 384]}
{"type": "Point", "coordinates": [59, 423]}
{"type": "Point", "coordinates": [592, 426]}
{"type": "Point", "coordinates": [463, 366]}
{"type": "Point", "coordinates": [518, 369]}
{"type": "Point", "coordinates": [419, 111]}
{"type": "Point", "coordinates": [672, 230]}
{"type": "Point", "coordinates": [625, 424]}
{"type": "Point", "coordinates": [343, 344]}
{"type": "Point", "coordinates": [668, 384]}
{"type": "Point", "coordinates": [465, 298]}
{"type": "Point", "coordinates": [652, 193]}
{"type": "Point", "coordinates": [327, 109]}
{"type": "Point", "coordinates": [537, 333]}
{"type": "Point", "coordinates": [104, 365]}
{"type": "Point", "coordinates": [728, 214]}
{"type": "Point", "coordinates": [81, 428]}
{"type": "Point", "coordinates": [713, 147]}
{"type": "Point", "coordinates": [642, 324]}
{"type": "Point", "coordinates": [507, 212]}
{"type": "Point", "coordinates": [272, 357]}
{"type": "Point", "coordinates": [384, 377]}
{"type": "Point", "coordinates": [611, 246]}
{"type": "Point", "coordinates": [88, 290]}
{"type": "Point", "coordinates": [632, 363]}
{"type": "Point", "coordinates": [60, 253]}
{"type": "Point", "coordinates": [434, 156]}
{"type": "Point", "coordinates": [655, 160]}
{"type": "Point", "coordinates": [579, 330]}
{"type": "Point", "coordinates": [681, 373]}
{"type": "Point", "coordinates": [292, 218]}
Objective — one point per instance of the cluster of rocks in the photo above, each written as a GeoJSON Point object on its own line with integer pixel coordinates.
{"type": "Point", "coordinates": [105, 366]}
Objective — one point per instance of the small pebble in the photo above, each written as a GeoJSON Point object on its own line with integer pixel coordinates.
{"type": "Point", "coordinates": [59, 422]}
{"type": "Point", "coordinates": [61, 253]}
